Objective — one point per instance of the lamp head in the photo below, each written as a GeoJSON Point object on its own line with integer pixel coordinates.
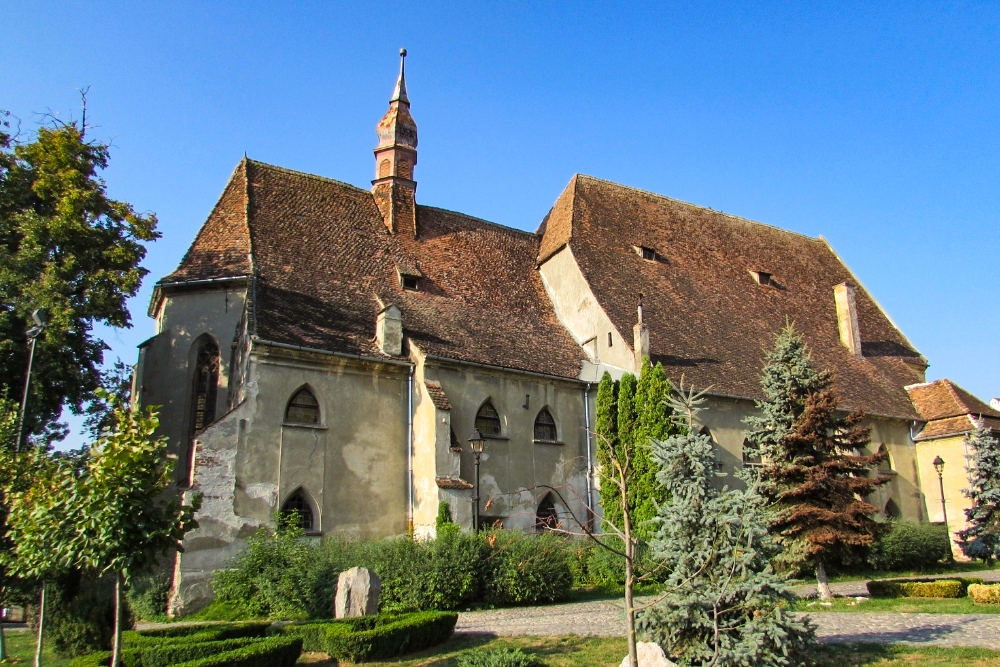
{"type": "Point", "coordinates": [40, 317]}
{"type": "Point", "coordinates": [477, 441]}
{"type": "Point", "coordinates": [938, 464]}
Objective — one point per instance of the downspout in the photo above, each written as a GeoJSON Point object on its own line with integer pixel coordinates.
{"type": "Point", "coordinates": [590, 467]}
{"type": "Point", "coordinates": [409, 454]}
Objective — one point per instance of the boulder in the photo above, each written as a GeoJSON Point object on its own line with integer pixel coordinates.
{"type": "Point", "coordinates": [357, 593]}
{"type": "Point", "coordinates": [650, 655]}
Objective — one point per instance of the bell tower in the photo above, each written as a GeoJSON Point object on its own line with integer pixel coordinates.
{"type": "Point", "coordinates": [395, 157]}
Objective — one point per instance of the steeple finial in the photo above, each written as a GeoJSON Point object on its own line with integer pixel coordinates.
{"type": "Point", "coordinates": [399, 95]}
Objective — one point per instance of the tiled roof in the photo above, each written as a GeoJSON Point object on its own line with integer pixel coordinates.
{"type": "Point", "coordinates": [324, 261]}
{"type": "Point", "coordinates": [708, 318]}
{"type": "Point", "coordinates": [949, 410]}
{"type": "Point", "coordinates": [222, 247]}
{"type": "Point", "coordinates": [438, 397]}
{"type": "Point", "coordinates": [453, 483]}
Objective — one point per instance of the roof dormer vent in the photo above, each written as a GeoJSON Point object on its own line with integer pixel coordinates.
{"type": "Point", "coordinates": [647, 253]}
{"type": "Point", "coordinates": [409, 277]}
{"type": "Point", "coordinates": [847, 317]}
{"type": "Point", "coordinates": [762, 277]}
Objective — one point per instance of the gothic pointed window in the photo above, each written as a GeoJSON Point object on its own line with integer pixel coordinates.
{"type": "Point", "coordinates": [885, 466]}
{"type": "Point", "coordinates": [206, 386]}
{"type": "Point", "coordinates": [303, 408]}
{"type": "Point", "coordinates": [546, 517]}
{"type": "Point", "coordinates": [488, 420]}
{"type": "Point", "coordinates": [891, 510]}
{"type": "Point", "coordinates": [545, 426]}
{"type": "Point", "coordinates": [298, 506]}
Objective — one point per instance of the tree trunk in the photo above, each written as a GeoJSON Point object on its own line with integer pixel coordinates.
{"type": "Point", "coordinates": [41, 626]}
{"type": "Point", "coordinates": [633, 656]}
{"type": "Point", "coordinates": [116, 647]}
{"type": "Point", "coordinates": [821, 582]}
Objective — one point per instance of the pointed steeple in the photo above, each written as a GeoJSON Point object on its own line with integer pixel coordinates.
{"type": "Point", "coordinates": [395, 156]}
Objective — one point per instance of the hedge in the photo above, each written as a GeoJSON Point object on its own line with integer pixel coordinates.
{"type": "Point", "coordinates": [201, 632]}
{"type": "Point", "coordinates": [985, 593]}
{"type": "Point", "coordinates": [948, 587]}
{"type": "Point", "coordinates": [240, 652]}
{"type": "Point", "coordinates": [374, 637]}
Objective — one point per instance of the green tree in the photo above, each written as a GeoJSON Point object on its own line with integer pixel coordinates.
{"type": "Point", "coordinates": [67, 247]}
{"type": "Point", "coordinates": [981, 540]}
{"type": "Point", "coordinates": [812, 475]}
{"type": "Point", "coordinates": [12, 479]}
{"type": "Point", "coordinates": [123, 516]}
{"type": "Point", "coordinates": [606, 429]}
{"type": "Point", "coordinates": [723, 604]}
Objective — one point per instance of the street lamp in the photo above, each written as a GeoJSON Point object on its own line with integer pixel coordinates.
{"type": "Point", "coordinates": [476, 442]}
{"type": "Point", "coordinates": [41, 320]}
{"type": "Point", "coordinates": [938, 464]}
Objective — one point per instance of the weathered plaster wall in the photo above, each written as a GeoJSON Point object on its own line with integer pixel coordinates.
{"type": "Point", "coordinates": [579, 311]}
{"type": "Point", "coordinates": [955, 478]}
{"type": "Point", "coordinates": [167, 361]}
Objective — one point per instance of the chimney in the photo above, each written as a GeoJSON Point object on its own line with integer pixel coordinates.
{"type": "Point", "coordinates": [640, 339]}
{"type": "Point", "coordinates": [847, 318]}
{"type": "Point", "coordinates": [389, 331]}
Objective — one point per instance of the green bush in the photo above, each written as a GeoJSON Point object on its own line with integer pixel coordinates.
{"type": "Point", "coordinates": [79, 614]}
{"type": "Point", "coordinates": [945, 587]}
{"type": "Point", "coordinates": [910, 546]}
{"type": "Point", "coordinates": [242, 652]}
{"type": "Point", "coordinates": [525, 569]}
{"type": "Point", "coordinates": [192, 634]}
{"type": "Point", "coordinates": [148, 596]}
{"type": "Point", "coordinates": [985, 594]}
{"type": "Point", "coordinates": [374, 637]}
{"type": "Point", "coordinates": [498, 657]}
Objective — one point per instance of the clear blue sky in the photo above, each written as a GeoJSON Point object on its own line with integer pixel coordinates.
{"type": "Point", "coordinates": [875, 126]}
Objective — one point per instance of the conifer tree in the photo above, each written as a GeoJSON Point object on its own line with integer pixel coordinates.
{"type": "Point", "coordinates": [606, 427]}
{"type": "Point", "coordinates": [981, 540]}
{"type": "Point", "coordinates": [811, 476]}
{"type": "Point", "coordinates": [724, 605]}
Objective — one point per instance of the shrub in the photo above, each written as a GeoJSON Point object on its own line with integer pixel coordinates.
{"type": "Point", "coordinates": [985, 594]}
{"type": "Point", "coordinates": [242, 652]}
{"type": "Point", "coordinates": [909, 546]}
{"type": "Point", "coordinates": [192, 634]}
{"type": "Point", "coordinates": [374, 637]}
{"type": "Point", "coordinates": [270, 652]}
{"type": "Point", "coordinates": [525, 569]}
{"type": "Point", "coordinates": [148, 596]}
{"type": "Point", "coordinates": [79, 614]}
{"type": "Point", "coordinates": [498, 657]}
{"type": "Point", "coordinates": [951, 587]}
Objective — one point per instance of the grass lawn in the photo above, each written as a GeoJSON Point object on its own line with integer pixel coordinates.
{"type": "Point", "coordinates": [900, 606]}
{"type": "Point", "coordinates": [21, 650]}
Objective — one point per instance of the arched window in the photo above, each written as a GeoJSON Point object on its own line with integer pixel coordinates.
{"type": "Point", "coordinates": [299, 506]}
{"type": "Point", "coordinates": [886, 464]}
{"type": "Point", "coordinates": [545, 426]}
{"type": "Point", "coordinates": [303, 408]}
{"type": "Point", "coordinates": [487, 420]}
{"type": "Point", "coordinates": [891, 510]}
{"type": "Point", "coordinates": [206, 385]}
{"type": "Point", "coordinates": [751, 455]}
{"type": "Point", "coordinates": [546, 517]}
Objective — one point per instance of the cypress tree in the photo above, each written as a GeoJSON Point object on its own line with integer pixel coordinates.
{"type": "Point", "coordinates": [606, 426]}
{"type": "Point", "coordinates": [815, 489]}
{"type": "Point", "coordinates": [723, 604]}
{"type": "Point", "coordinates": [981, 540]}
{"type": "Point", "coordinates": [652, 399]}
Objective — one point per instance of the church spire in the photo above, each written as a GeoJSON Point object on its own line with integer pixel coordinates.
{"type": "Point", "coordinates": [395, 156]}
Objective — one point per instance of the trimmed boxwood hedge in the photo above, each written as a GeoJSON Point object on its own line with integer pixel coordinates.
{"type": "Point", "coordinates": [269, 652]}
{"type": "Point", "coordinates": [945, 587]}
{"type": "Point", "coordinates": [200, 632]}
{"type": "Point", "coordinates": [172, 651]}
{"type": "Point", "coordinates": [374, 637]}
{"type": "Point", "coordinates": [985, 593]}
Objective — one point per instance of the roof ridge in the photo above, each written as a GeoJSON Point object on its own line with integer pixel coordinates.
{"type": "Point", "coordinates": [958, 399]}
{"type": "Point", "coordinates": [478, 219]}
{"type": "Point", "coordinates": [295, 172]}
{"type": "Point", "coordinates": [699, 206]}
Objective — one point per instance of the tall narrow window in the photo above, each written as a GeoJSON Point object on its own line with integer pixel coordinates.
{"type": "Point", "coordinates": [206, 386]}
{"type": "Point", "coordinates": [751, 455]}
{"type": "Point", "coordinates": [487, 420]}
{"type": "Point", "coordinates": [546, 517]}
{"type": "Point", "coordinates": [303, 408]}
{"type": "Point", "coordinates": [886, 464]}
{"type": "Point", "coordinates": [545, 426]}
{"type": "Point", "coordinates": [891, 510]}
{"type": "Point", "coordinates": [298, 506]}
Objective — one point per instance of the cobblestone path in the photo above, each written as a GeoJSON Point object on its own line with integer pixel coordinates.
{"type": "Point", "coordinates": [606, 618]}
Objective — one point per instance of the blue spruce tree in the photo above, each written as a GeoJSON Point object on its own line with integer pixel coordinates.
{"type": "Point", "coordinates": [724, 605]}
{"type": "Point", "coordinates": [981, 540]}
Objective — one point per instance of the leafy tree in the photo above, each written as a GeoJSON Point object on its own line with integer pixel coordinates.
{"type": "Point", "coordinates": [443, 515]}
{"type": "Point", "coordinates": [123, 517]}
{"type": "Point", "coordinates": [10, 474]}
{"type": "Point", "coordinates": [811, 475]}
{"type": "Point", "coordinates": [981, 539]}
{"type": "Point", "coordinates": [724, 605]}
{"type": "Point", "coordinates": [67, 247]}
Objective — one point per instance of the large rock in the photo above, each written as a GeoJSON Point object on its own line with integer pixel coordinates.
{"type": "Point", "coordinates": [357, 593]}
{"type": "Point", "coordinates": [650, 655]}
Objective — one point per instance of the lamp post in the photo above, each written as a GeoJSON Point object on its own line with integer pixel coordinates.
{"type": "Point", "coordinates": [476, 442]}
{"type": "Point", "coordinates": [939, 467]}
{"type": "Point", "coordinates": [41, 320]}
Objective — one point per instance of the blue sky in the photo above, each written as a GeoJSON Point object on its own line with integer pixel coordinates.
{"type": "Point", "coordinates": [871, 124]}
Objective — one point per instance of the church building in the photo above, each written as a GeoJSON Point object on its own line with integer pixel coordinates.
{"type": "Point", "coordinates": [329, 349]}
